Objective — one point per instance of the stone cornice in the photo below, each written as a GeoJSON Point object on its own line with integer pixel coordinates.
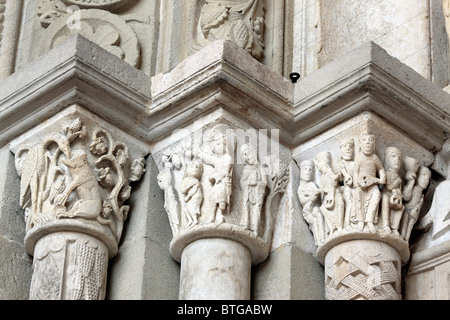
{"type": "Point", "coordinates": [76, 71]}
{"type": "Point", "coordinates": [224, 75]}
{"type": "Point", "coordinates": [365, 79]}
{"type": "Point", "coordinates": [369, 79]}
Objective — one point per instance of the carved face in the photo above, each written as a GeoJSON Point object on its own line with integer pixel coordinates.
{"type": "Point", "coordinates": [424, 178]}
{"type": "Point", "coordinates": [218, 145]}
{"type": "Point", "coordinates": [367, 144]}
{"type": "Point", "coordinates": [347, 150]}
{"type": "Point", "coordinates": [194, 169]}
{"type": "Point", "coordinates": [307, 171]}
{"type": "Point", "coordinates": [323, 162]}
{"type": "Point", "coordinates": [249, 155]}
{"type": "Point", "coordinates": [393, 159]}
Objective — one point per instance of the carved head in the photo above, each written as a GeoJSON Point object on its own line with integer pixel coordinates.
{"type": "Point", "coordinates": [348, 149]}
{"type": "Point", "coordinates": [393, 159]}
{"type": "Point", "coordinates": [217, 142]}
{"type": "Point", "coordinates": [367, 143]}
{"type": "Point", "coordinates": [411, 164]}
{"type": "Point", "coordinates": [423, 178]}
{"type": "Point", "coordinates": [194, 169]}
{"type": "Point", "coordinates": [323, 161]}
{"type": "Point", "coordinates": [248, 154]}
{"type": "Point", "coordinates": [307, 170]}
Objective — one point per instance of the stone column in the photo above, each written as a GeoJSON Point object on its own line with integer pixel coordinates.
{"type": "Point", "coordinates": [361, 209]}
{"type": "Point", "coordinates": [10, 21]}
{"type": "Point", "coordinates": [209, 264]}
{"type": "Point", "coordinates": [221, 198]}
{"type": "Point", "coordinates": [76, 173]}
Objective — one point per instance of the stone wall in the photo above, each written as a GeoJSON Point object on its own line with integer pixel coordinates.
{"type": "Point", "coordinates": [150, 144]}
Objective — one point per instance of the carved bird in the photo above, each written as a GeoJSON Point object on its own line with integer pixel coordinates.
{"type": "Point", "coordinates": [33, 170]}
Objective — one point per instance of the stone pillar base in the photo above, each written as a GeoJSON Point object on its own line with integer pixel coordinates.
{"type": "Point", "coordinates": [215, 269]}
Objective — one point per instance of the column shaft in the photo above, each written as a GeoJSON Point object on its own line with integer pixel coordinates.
{"type": "Point", "coordinates": [215, 269]}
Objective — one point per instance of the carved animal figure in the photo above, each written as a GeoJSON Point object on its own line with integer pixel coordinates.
{"type": "Point", "coordinates": [89, 205]}
{"type": "Point", "coordinates": [33, 170]}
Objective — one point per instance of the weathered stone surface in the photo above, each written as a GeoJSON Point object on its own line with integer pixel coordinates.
{"type": "Point", "coordinates": [152, 76]}
{"type": "Point", "coordinates": [209, 264]}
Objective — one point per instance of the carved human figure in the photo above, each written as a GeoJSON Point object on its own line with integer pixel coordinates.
{"type": "Point", "coordinates": [165, 182]}
{"type": "Point", "coordinates": [333, 206]}
{"type": "Point", "coordinates": [391, 194]}
{"type": "Point", "coordinates": [309, 196]}
{"type": "Point", "coordinates": [414, 201]}
{"type": "Point", "coordinates": [222, 162]}
{"type": "Point", "coordinates": [253, 183]}
{"type": "Point", "coordinates": [192, 191]}
{"type": "Point", "coordinates": [346, 167]}
{"type": "Point", "coordinates": [368, 175]}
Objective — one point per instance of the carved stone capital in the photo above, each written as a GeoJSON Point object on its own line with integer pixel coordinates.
{"type": "Point", "coordinates": [363, 194]}
{"type": "Point", "coordinates": [76, 174]}
{"type": "Point", "coordinates": [216, 185]}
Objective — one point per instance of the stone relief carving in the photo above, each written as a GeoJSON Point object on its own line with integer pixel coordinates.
{"type": "Point", "coordinates": [74, 175]}
{"type": "Point", "coordinates": [368, 174]}
{"type": "Point", "coordinates": [438, 217]}
{"type": "Point", "coordinates": [102, 4]}
{"type": "Point", "coordinates": [72, 269]}
{"type": "Point", "coordinates": [362, 195]}
{"type": "Point", "coordinates": [361, 277]}
{"type": "Point", "coordinates": [253, 183]}
{"type": "Point", "coordinates": [241, 21]}
{"type": "Point", "coordinates": [310, 199]}
{"type": "Point", "coordinates": [333, 207]}
{"type": "Point", "coordinates": [204, 192]}
{"type": "Point", "coordinates": [94, 20]}
{"type": "Point", "coordinates": [346, 168]}
{"type": "Point", "coordinates": [218, 155]}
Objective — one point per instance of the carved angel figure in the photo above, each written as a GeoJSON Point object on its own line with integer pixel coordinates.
{"type": "Point", "coordinates": [241, 21]}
